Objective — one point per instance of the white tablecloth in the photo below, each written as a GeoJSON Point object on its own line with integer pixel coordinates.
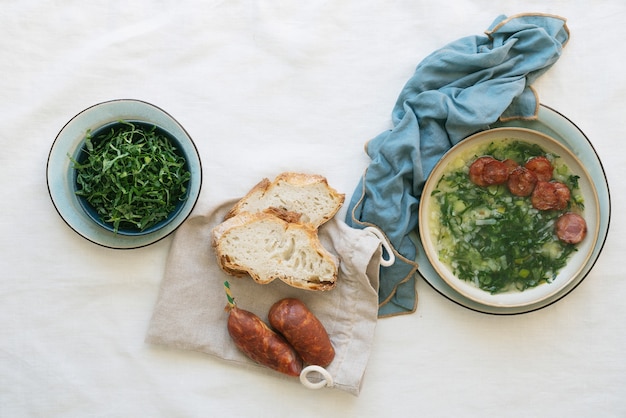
{"type": "Point", "coordinates": [264, 88]}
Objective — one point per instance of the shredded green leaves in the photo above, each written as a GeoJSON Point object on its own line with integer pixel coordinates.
{"type": "Point", "coordinates": [496, 240]}
{"type": "Point", "coordinates": [131, 175]}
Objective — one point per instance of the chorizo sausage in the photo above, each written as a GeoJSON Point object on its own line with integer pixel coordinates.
{"type": "Point", "coordinates": [563, 194]}
{"type": "Point", "coordinates": [571, 228]}
{"type": "Point", "coordinates": [510, 164]}
{"type": "Point", "coordinates": [476, 170]}
{"type": "Point", "coordinates": [487, 171]}
{"type": "Point", "coordinates": [291, 318]}
{"type": "Point", "coordinates": [495, 172]}
{"type": "Point", "coordinates": [541, 166]}
{"type": "Point", "coordinates": [521, 182]}
{"type": "Point", "coordinates": [550, 196]}
{"type": "Point", "coordinates": [252, 336]}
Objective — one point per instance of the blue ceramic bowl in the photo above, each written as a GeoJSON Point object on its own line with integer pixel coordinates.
{"type": "Point", "coordinates": [129, 229]}
{"type": "Point", "coordinates": [69, 145]}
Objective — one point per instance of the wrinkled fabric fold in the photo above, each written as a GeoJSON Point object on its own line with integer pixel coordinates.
{"type": "Point", "coordinates": [189, 312]}
{"type": "Point", "coordinates": [454, 92]}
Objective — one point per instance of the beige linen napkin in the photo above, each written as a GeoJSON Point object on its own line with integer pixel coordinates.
{"type": "Point", "coordinates": [189, 313]}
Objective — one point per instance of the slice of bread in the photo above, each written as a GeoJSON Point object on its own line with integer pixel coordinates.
{"type": "Point", "coordinates": [306, 194]}
{"type": "Point", "coordinates": [267, 248]}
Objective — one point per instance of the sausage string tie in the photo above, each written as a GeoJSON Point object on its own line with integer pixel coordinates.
{"type": "Point", "coordinates": [229, 296]}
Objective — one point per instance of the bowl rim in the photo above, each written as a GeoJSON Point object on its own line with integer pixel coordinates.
{"type": "Point", "coordinates": [69, 141]}
{"type": "Point", "coordinates": [529, 296]}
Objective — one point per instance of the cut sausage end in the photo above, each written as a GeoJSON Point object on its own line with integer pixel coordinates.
{"type": "Point", "coordinates": [571, 228]}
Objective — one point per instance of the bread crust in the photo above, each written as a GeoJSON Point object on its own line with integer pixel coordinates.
{"type": "Point", "coordinates": [263, 190]}
{"type": "Point", "coordinates": [227, 261]}
{"type": "Point", "coordinates": [296, 204]}
{"type": "Point", "coordinates": [255, 193]}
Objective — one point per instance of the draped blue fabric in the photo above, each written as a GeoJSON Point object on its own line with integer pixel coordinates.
{"type": "Point", "coordinates": [456, 91]}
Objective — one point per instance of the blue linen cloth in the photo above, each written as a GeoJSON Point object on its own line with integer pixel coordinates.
{"type": "Point", "coordinates": [454, 92]}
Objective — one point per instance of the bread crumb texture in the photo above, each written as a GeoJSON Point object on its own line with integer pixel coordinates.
{"type": "Point", "coordinates": [271, 233]}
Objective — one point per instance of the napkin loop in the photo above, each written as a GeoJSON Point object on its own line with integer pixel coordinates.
{"type": "Point", "coordinates": [384, 242]}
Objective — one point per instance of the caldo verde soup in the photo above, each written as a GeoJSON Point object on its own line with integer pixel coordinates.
{"type": "Point", "coordinates": [503, 241]}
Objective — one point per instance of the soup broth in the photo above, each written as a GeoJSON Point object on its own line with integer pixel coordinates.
{"type": "Point", "coordinates": [491, 238]}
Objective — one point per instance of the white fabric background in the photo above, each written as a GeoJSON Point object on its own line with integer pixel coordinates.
{"type": "Point", "coordinates": [263, 88]}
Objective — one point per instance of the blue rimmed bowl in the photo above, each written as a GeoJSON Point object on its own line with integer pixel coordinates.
{"type": "Point", "coordinates": [69, 146]}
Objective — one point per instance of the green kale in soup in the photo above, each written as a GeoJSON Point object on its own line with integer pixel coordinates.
{"type": "Point", "coordinates": [496, 240]}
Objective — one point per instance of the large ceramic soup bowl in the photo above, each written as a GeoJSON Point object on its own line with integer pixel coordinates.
{"type": "Point", "coordinates": [508, 217]}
